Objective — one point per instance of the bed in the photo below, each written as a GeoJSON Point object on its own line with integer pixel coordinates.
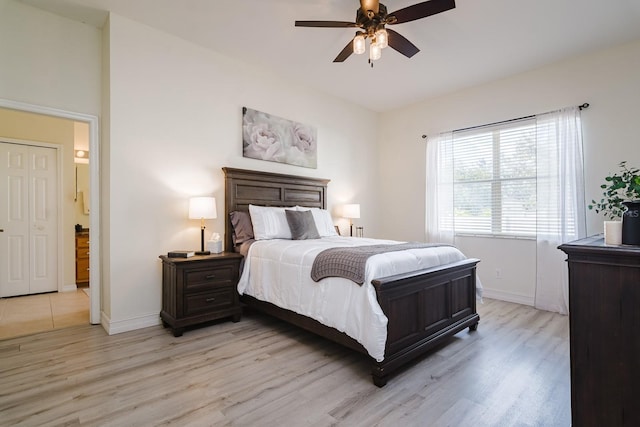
{"type": "Point", "coordinates": [422, 308]}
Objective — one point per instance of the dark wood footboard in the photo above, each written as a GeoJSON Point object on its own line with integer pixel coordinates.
{"type": "Point", "coordinates": [423, 308]}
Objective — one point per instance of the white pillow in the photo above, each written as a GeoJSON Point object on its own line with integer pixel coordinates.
{"type": "Point", "coordinates": [269, 223]}
{"type": "Point", "coordinates": [323, 220]}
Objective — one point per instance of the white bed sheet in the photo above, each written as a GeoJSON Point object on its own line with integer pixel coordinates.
{"type": "Point", "coordinates": [279, 271]}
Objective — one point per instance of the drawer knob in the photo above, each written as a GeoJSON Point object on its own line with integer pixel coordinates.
{"type": "Point", "coordinates": [210, 299]}
{"type": "Point", "coordinates": [211, 276]}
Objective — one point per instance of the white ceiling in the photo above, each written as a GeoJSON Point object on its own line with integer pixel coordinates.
{"type": "Point", "coordinates": [477, 42]}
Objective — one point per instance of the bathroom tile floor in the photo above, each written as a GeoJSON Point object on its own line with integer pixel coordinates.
{"type": "Point", "coordinates": [43, 312]}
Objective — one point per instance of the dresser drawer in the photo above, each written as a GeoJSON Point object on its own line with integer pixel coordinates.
{"type": "Point", "coordinates": [200, 279]}
{"type": "Point", "coordinates": [82, 268]}
{"type": "Point", "coordinates": [82, 241]}
{"type": "Point", "coordinates": [82, 252]}
{"type": "Point", "coordinates": [208, 301]}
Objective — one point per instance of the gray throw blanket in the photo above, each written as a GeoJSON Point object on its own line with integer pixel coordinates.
{"type": "Point", "coordinates": [350, 262]}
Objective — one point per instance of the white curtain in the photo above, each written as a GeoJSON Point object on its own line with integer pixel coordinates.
{"type": "Point", "coordinates": [560, 199]}
{"type": "Point", "coordinates": [560, 212]}
{"type": "Point", "coordinates": [440, 189]}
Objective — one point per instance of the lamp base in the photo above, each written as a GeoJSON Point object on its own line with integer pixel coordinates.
{"type": "Point", "coordinates": [202, 251]}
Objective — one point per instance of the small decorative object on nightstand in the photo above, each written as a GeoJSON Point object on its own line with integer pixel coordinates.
{"type": "Point", "coordinates": [199, 289]}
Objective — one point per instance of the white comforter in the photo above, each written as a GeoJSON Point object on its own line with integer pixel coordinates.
{"type": "Point", "coordinates": [279, 272]}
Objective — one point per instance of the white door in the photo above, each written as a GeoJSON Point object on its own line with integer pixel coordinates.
{"type": "Point", "coordinates": [28, 218]}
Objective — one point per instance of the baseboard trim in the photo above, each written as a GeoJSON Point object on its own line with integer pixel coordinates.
{"type": "Point", "coordinates": [507, 296]}
{"type": "Point", "coordinates": [120, 326]}
{"type": "Point", "coordinates": [69, 288]}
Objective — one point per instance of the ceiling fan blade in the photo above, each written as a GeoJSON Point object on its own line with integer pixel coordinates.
{"type": "Point", "coordinates": [346, 52]}
{"type": "Point", "coordinates": [326, 24]}
{"type": "Point", "coordinates": [421, 10]}
{"type": "Point", "coordinates": [401, 44]}
{"type": "Point", "coordinates": [373, 5]}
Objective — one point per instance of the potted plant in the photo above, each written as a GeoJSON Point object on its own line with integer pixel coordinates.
{"type": "Point", "coordinates": [621, 199]}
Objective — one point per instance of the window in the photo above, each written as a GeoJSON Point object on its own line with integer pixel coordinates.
{"type": "Point", "coordinates": [494, 179]}
{"type": "Point", "coordinates": [522, 178]}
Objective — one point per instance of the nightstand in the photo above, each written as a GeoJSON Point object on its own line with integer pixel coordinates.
{"type": "Point", "coordinates": [199, 289]}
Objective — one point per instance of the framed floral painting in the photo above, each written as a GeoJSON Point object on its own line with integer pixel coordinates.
{"type": "Point", "coordinates": [271, 138]}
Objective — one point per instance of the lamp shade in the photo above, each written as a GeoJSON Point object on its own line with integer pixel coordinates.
{"type": "Point", "coordinates": [375, 51]}
{"type": "Point", "coordinates": [382, 38]}
{"type": "Point", "coordinates": [358, 44]}
{"type": "Point", "coordinates": [202, 208]}
{"type": "Point", "coordinates": [351, 211]}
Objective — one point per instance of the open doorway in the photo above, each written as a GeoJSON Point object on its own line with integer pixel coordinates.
{"type": "Point", "coordinates": [92, 201]}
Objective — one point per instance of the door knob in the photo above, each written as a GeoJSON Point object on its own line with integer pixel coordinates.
{"type": "Point", "coordinates": [1, 230]}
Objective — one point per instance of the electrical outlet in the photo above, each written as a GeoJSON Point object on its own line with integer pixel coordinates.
{"type": "Point", "coordinates": [498, 273]}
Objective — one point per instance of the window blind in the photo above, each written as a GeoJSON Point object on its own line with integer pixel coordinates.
{"type": "Point", "coordinates": [494, 179]}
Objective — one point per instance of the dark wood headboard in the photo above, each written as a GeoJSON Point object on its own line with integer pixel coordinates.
{"type": "Point", "coordinates": [245, 187]}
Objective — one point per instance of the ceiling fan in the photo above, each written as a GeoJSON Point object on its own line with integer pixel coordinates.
{"type": "Point", "coordinates": [371, 18]}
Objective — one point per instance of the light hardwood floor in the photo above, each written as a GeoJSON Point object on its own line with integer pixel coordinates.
{"type": "Point", "coordinates": [43, 312]}
{"type": "Point", "coordinates": [514, 371]}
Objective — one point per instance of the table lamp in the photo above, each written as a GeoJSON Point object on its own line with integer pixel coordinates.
{"type": "Point", "coordinates": [351, 211]}
{"type": "Point", "coordinates": [202, 208]}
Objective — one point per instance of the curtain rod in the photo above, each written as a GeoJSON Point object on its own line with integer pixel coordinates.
{"type": "Point", "coordinates": [581, 107]}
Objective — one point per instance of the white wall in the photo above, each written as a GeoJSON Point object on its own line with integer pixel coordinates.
{"type": "Point", "coordinates": [174, 121]}
{"type": "Point", "coordinates": [83, 195]}
{"type": "Point", "coordinates": [609, 80]}
{"type": "Point", "coordinates": [48, 60]}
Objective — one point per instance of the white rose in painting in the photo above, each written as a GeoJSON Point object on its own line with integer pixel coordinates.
{"type": "Point", "coordinates": [303, 138]}
{"type": "Point", "coordinates": [302, 150]}
{"type": "Point", "coordinates": [260, 141]}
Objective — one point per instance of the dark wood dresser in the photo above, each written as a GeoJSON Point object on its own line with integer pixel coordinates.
{"type": "Point", "coordinates": [199, 289]}
{"type": "Point", "coordinates": [604, 316]}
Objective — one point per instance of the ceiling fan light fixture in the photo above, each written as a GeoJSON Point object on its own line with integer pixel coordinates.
{"type": "Point", "coordinates": [382, 38]}
{"type": "Point", "coordinates": [375, 52]}
{"type": "Point", "coordinates": [359, 46]}
{"type": "Point", "coordinates": [372, 17]}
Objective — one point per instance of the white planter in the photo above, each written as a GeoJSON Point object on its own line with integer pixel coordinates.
{"type": "Point", "coordinates": [613, 232]}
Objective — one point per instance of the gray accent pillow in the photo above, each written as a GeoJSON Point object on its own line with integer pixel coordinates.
{"type": "Point", "coordinates": [242, 227]}
{"type": "Point", "coordinates": [302, 225]}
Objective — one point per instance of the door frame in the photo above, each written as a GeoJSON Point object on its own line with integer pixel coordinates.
{"type": "Point", "coordinates": [95, 306]}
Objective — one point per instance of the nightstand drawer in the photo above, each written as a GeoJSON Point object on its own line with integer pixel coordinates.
{"type": "Point", "coordinates": [201, 279]}
{"type": "Point", "coordinates": [208, 301]}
